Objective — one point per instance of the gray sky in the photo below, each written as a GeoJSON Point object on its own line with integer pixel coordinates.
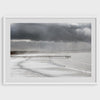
{"type": "Point", "coordinates": [51, 31]}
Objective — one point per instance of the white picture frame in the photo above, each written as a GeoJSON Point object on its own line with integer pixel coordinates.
{"type": "Point", "coordinates": [62, 80]}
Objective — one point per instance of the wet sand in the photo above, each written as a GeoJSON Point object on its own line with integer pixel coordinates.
{"type": "Point", "coordinates": [28, 65]}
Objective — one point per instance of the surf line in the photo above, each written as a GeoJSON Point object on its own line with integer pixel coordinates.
{"type": "Point", "coordinates": [30, 70]}
{"type": "Point", "coordinates": [74, 69]}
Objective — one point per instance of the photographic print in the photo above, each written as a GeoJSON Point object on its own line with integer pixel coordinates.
{"type": "Point", "coordinates": [49, 50]}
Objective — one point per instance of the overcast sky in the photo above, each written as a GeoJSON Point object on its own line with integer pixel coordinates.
{"type": "Point", "coordinates": [51, 31]}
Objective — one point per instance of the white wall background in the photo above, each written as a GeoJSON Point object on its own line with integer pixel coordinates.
{"type": "Point", "coordinates": [51, 8]}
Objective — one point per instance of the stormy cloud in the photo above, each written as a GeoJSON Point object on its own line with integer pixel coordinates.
{"type": "Point", "coordinates": [51, 32]}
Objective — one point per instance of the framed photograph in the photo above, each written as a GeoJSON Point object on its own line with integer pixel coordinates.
{"type": "Point", "coordinates": [49, 50]}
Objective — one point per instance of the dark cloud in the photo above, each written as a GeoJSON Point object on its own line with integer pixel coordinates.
{"type": "Point", "coordinates": [51, 31]}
